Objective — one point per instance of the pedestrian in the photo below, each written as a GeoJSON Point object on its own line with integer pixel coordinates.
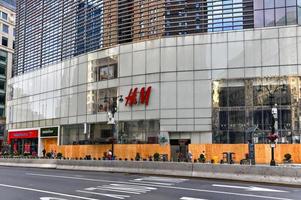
{"type": "Point", "coordinates": [203, 157]}
{"type": "Point", "coordinates": [44, 153]}
{"type": "Point", "coordinates": [52, 154]}
{"type": "Point", "coordinates": [189, 156]}
{"type": "Point", "coordinates": [110, 155]}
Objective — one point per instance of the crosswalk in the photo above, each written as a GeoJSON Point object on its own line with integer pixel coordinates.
{"type": "Point", "coordinates": [137, 186]}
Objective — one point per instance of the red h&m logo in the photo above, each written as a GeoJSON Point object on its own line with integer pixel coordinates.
{"type": "Point", "coordinates": [131, 99]}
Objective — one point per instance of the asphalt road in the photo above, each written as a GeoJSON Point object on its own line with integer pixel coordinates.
{"type": "Point", "coordinates": [40, 184]}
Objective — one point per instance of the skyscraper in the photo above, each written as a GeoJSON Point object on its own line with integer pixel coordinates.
{"type": "Point", "coordinates": [7, 36]}
{"type": "Point", "coordinates": [189, 71]}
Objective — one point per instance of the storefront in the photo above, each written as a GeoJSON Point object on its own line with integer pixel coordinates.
{"type": "Point", "coordinates": [23, 142]}
{"type": "Point", "coordinates": [48, 139]}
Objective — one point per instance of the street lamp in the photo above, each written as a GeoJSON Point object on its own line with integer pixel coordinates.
{"type": "Point", "coordinates": [273, 136]}
{"type": "Point", "coordinates": [111, 113]}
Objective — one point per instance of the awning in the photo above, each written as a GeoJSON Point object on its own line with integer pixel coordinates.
{"type": "Point", "coordinates": [25, 134]}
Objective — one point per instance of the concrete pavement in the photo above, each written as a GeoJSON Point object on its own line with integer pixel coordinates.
{"type": "Point", "coordinates": [48, 184]}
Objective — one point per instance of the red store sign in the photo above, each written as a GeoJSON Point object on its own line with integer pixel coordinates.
{"type": "Point", "coordinates": [132, 98]}
{"type": "Point", "coordinates": [22, 135]}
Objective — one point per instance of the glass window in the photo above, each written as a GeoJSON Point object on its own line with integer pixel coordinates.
{"type": "Point", "coordinates": [279, 3]}
{"type": "Point", "coordinates": [299, 15]}
{"type": "Point", "coordinates": [101, 100]}
{"type": "Point", "coordinates": [291, 14]}
{"type": "Point", "coordinates": [236, 96]}
{"type": "Point", "coordinates": [269, 18]}
{"type": "Point", "coordinates": [3, 56]}
{"type": "Point", "coordinates": [5, 28]}
{"type": "Point", "coordinates": [73, 134]}
{"type": "Point", "coordinates": [258, 4]}
{"type": "Point", "coordinates": [4, 41]}
{"type": "Point", "coordinates": [143, 131]}
{"type": "Point", "coordinates": [105, 69]}
{"type": "Point", "coordinates": [280, 16]}
{"type": "Point", "coordinates": [269, 4]}
{"type": "Point", "coordinates": [4, 15]}
{"type": "Point", "coordinates": [258, 19]}
{"type": "Point", "coordinates": [291, 2]}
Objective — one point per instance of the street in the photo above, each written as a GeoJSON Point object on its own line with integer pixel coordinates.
{"type": "Point", "coordinates": [41, 184]}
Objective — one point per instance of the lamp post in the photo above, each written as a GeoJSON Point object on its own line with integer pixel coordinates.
{"type": "Point", "coordinates": [111, 120]}
{"type": "Point", "coordinates": [273, 136]}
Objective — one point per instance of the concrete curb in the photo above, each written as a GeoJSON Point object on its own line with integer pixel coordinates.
{"type": "Point", "coordinates": [262, 174]}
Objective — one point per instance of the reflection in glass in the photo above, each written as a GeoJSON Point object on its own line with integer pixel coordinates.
{"type": "Point", "coordinates": [104, 69]}
{"type": "Point", "coordinates": [269, 4]}
{"type": "Point", "coordinates": [100, 100]}
{"type": "Point", "coordinates": [291, 14]}
{"type": "Point", "coordinates": [258, 19]}
{"type": "Point", "coordinates": [269, 19]}
{"type": "Point", "coordinates": [258, 4]}
{"type": "Point", "coordinates": [279, 3]}
{"type": "Point", "coordinates": [280, 16]}
{"type": "Point", "coordinates": [242, 108]}
{"type": "Point", "coordinates": [139, 132]}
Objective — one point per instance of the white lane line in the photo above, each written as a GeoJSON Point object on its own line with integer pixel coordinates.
{"type": "Point", "coordinates": [116, 196]}
{"type": "Point", "coordinates": [157, 178]}
{"type": "Point", "coordinates": [148, 182]}
{"type": "Point", "coordinates": [190, 198]}
{"type": "Point", "coordinates": [111, 190]}
{"type": "Point", "coordinates": [45, 192]}
{"type": "Point", "coordinates": [249, 188]}
{"type": "Point", "coordinates": [163, 186]}
{"type": "Point", "coordinates": [134, 186]}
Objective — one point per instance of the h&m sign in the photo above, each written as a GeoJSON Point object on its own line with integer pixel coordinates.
{"type": "Point", "coordinates": [143, 98]}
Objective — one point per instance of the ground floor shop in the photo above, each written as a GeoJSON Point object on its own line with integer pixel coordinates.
{"type": "Point", "coordinates": [23, 142]}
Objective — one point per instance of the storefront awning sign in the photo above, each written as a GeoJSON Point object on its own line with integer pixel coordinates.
{"type": "Point", "coordinates": [22, 135]}
{"type": "Point", "coordinates": [49, 132]}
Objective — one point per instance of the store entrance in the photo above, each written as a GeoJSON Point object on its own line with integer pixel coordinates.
{"type": "Point", "coordinates": [25, 146]}
{"type": "Point", "coordinates": [179, 149]}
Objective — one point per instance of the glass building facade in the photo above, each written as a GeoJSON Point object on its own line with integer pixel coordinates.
{"type": "Point", "coordinates": [51, 31]}
{"type": "Point", "coordinates": [269, 13]}
{"type": "Point", "coordinates": [211, 66]}
{"type": "Point", "coordinates": [242, 109]}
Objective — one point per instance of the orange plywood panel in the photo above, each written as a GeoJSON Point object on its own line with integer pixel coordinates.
{"type": "Point", "coordinates": [50, 144]}
{"type": "Point", "coordinates": [129, 151]}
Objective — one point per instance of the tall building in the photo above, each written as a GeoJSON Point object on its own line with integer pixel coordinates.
{"type": "Point", "coordinates": [189, 71]}
{"type": "Point", "coordinates": [7, 36]}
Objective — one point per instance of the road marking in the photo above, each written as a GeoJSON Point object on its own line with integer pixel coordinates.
{"type": "Point", "coordinates": [249, 188]}
{"type": "Point", "coordinates": [190, 198]}
{"type": "Point", "coordinates": [155, 183]}
{"type": "Point", "coordinates": [46, 192]}
{"type": "Point", "coordinates": [162, 186]}
{"type": "Point", "coordinates": [122, 188]}
{"type": "Point", "coordinates": [51, 198]}
{"type": "Point", "coordinates": [116, 196]}
{"type": "Point", "coordinates": [159, 180]}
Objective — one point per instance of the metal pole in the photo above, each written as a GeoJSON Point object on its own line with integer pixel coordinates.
{"type": "Point", "coordinates": [274, 129]}
{"type": "Point", "coordinates": [273, 162]}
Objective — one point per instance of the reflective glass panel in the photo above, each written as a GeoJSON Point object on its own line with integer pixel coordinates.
{"type": "Point", "coordinates": [269, 4]}
{"type": "Point", "coordinates": [291, 14]}
{"type": "Point", "coordinates": [258, 4]}
{"type": "Point", "coordinates": [269, 17]}
{"type": "Point", "coordinates": [280, 16]}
